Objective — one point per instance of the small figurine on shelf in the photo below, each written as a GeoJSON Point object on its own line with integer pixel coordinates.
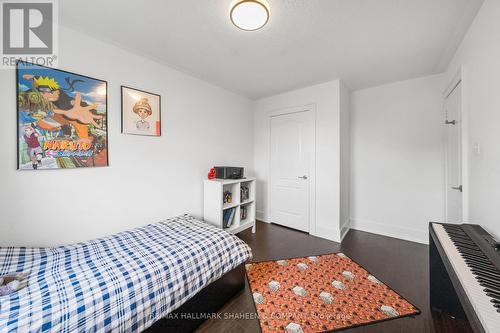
{"type": "Point", "coordinates": [211, 174]}
{"type": "Point", "coordinates": [228, 197]}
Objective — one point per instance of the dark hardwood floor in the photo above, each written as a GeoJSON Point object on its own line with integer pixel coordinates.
{"type": "Point", "coordinates": [402, 265]}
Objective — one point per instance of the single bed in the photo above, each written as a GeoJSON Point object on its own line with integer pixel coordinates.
{"type": "Point", "coordinates": [121, 283]}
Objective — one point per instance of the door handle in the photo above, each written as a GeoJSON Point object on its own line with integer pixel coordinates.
{"type": "Point", "coordinates": [303, 177]}
{"type": "Point", "coordinates": [458, 188]}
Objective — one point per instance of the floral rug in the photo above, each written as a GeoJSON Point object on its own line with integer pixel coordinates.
{"type": "Point", "coordinates": [321, 293]}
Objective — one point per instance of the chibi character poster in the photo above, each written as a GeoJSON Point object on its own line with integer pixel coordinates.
{"type": "Point", "coordinates": [141, 112]}
{"type": "Point", "coordinates": [62, 119]}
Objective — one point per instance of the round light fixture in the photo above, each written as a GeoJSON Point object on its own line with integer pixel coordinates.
{"type": "Point", "coordinates": [249, 15]}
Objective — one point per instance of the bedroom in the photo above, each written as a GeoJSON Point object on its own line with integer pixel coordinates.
{"type": "Point", "coordinates": [356, 124]}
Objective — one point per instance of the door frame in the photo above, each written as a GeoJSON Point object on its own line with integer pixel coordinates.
{"type": "Point", "coordinates": [458, 79]}
{"type": "Point", "coordinates": [312, 173]}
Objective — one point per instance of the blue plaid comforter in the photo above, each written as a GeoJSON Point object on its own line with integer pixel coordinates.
{"type": "Point", "coordinates": [120, 283]}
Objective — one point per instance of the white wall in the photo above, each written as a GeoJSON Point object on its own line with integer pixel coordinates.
{"type": "Point", "coordinates": [479, 53]}
{"type": "Point", "coordinates": [396, 163]}
{"type": "Point", "coordinates": [326, 99]}
{"type": "Point", "coordinates": [148, 179]}
{"type": "Point", "coordinates": [397, 172]}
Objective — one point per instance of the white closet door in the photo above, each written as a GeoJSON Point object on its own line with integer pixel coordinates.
{"type": "Point", "coordinates": [292, 140]}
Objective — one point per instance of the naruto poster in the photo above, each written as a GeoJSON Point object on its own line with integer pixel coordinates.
{"type": "Point", "coordinates": [62, 119]}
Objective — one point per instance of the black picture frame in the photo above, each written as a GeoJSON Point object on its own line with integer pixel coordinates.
{"type": "Point", "coordinates": [26, 64]}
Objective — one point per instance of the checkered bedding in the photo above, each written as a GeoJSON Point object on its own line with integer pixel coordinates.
{"type": "Point", "coordinates": [120, 283]}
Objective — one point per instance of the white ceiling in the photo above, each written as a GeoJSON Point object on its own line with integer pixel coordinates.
{"type": "Point", "coordinates": [363, 42]}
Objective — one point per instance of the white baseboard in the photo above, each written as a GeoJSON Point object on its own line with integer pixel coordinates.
{"type": "Point", "coordinates": [327, 233]}
{"type": "Point", "coordinates": [321, 231]}
{"type": "Point", "coordinates": [261, 216]}
{"type": "Point", "coordinates": [409, 234]}
{"type": "Point", "coordinates": [344, 229]}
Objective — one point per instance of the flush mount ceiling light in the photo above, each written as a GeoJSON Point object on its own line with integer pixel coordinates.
{"type": "Point", "coordinates": [249, 15]}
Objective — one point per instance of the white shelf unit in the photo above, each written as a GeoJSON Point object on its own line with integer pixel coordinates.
{"type": "Point", "coordinates": [214, 206]}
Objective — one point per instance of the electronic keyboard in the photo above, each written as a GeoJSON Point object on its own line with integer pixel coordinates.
{"type": "Point", "coordinates": [465, 274]}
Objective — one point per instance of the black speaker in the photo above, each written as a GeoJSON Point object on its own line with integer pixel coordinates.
{"type": "Point", "coordinates": [225, 172]}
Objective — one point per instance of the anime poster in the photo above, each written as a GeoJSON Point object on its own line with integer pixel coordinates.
{"type": "Point", "coordinates": [62, 119]}
{"type": "Point", "coordinates": [141, 112]}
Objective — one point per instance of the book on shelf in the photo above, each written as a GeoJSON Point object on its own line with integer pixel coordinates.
{"type": "Point", "coordinates": [243, 213]}
{"type": "Point", "coordinates": [225, 217]}
{"type": "Point", "coordinates": [228, 217]}
{"type": "Point", "coordinates": [231, 217]}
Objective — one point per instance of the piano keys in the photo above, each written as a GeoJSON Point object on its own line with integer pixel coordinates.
{"type": "Point", "coordinates": [465, 274]}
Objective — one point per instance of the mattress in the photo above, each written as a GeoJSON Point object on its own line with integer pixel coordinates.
{"type": "Point", "coordinates": [120, 283]}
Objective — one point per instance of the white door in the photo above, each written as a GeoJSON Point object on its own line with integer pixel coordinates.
{"type": "Point", "coordinates": [454, 188]}
{"type": "Point", "coordinates": [292, 164]}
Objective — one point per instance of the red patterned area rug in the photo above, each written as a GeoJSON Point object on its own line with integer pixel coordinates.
{"type": "Point", "coordinates": [321, 293]}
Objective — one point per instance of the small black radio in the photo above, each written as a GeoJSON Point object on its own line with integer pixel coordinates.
{"type": "Point", "coordinates": [225, 172]}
